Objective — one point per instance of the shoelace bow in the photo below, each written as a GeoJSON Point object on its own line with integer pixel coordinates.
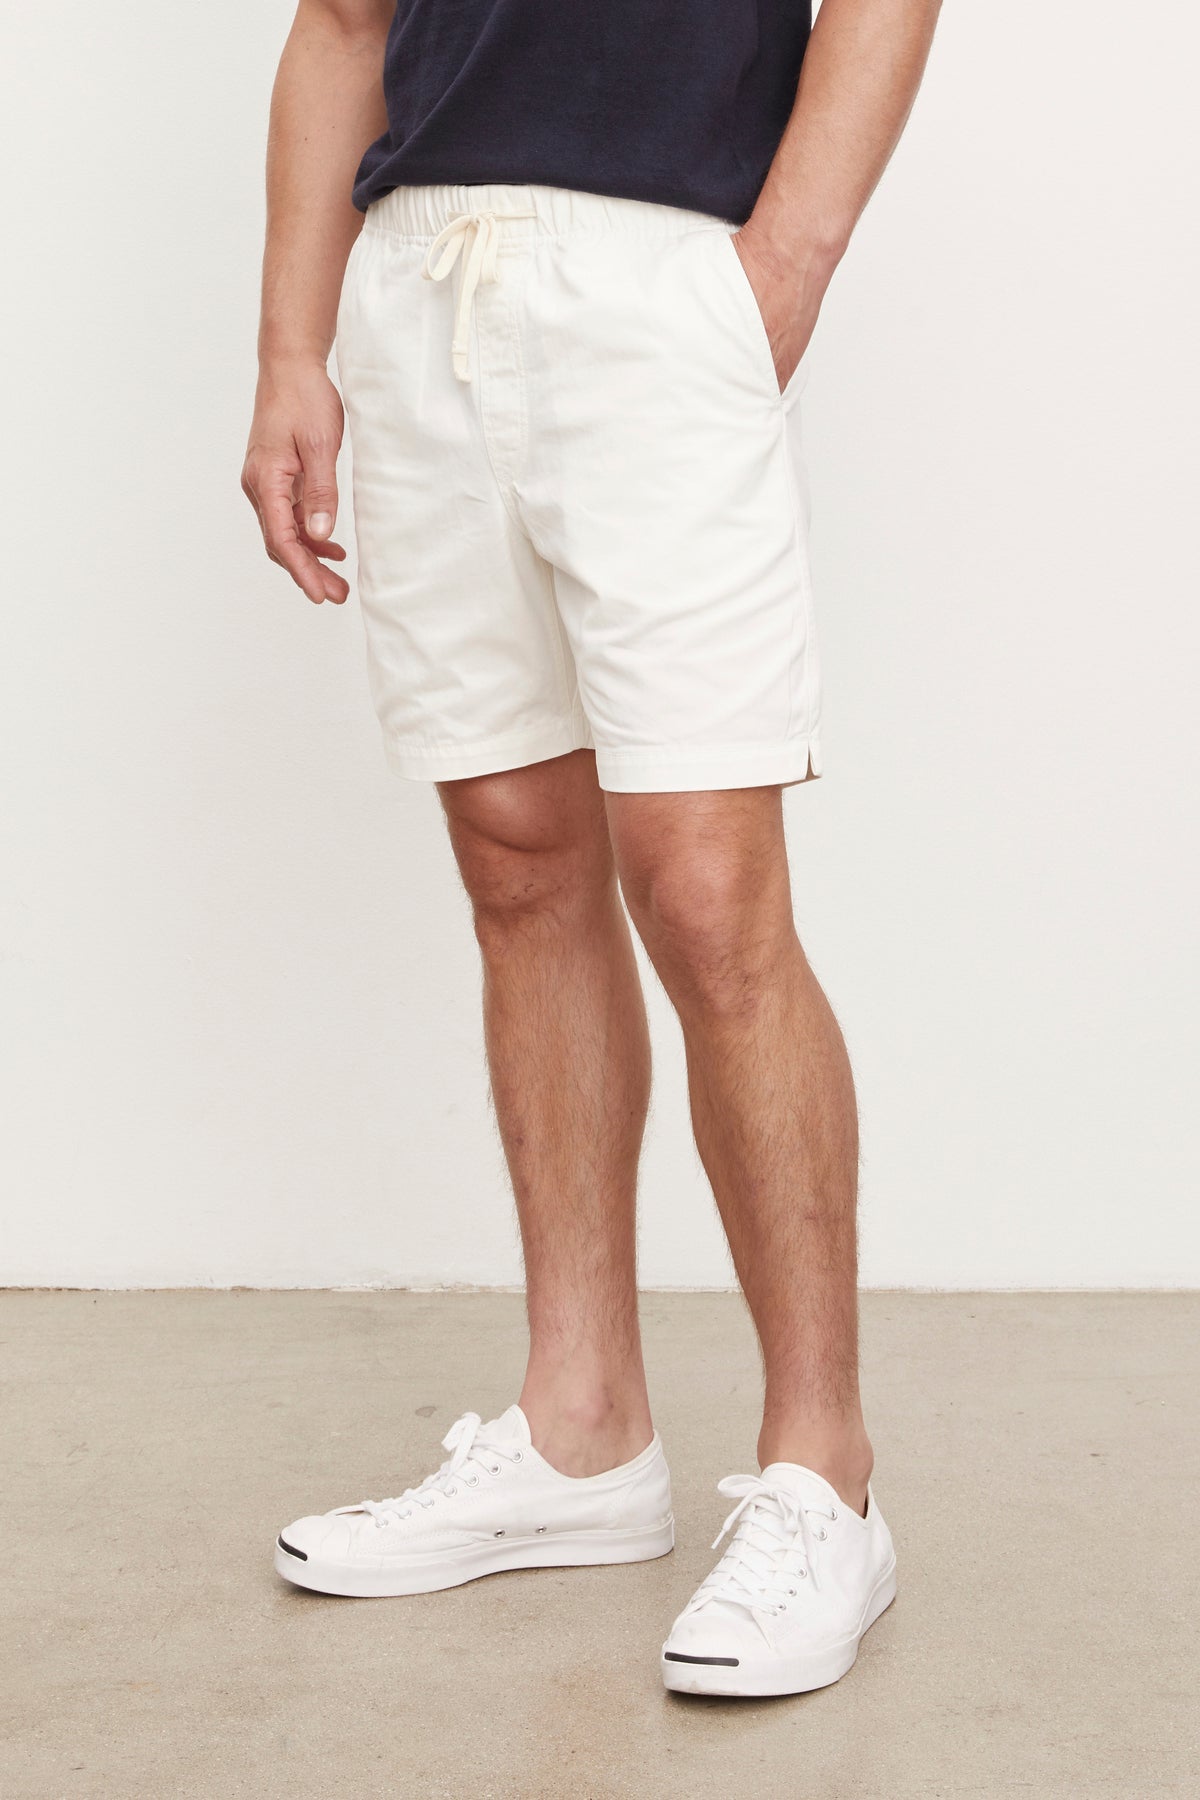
{"type": "Point", "coordinates": [468, 1446]}
{"type": "Point", "coordinates": [773, 1546]}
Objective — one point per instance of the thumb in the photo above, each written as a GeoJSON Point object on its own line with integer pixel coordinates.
{"type": "Point", "coordinates": [320, 491]}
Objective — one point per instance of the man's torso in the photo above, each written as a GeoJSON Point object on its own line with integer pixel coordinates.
{"type": "Point", "coordinates": [680, 102]}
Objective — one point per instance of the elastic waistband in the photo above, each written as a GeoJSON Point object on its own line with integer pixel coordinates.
{"type": "Point", "coordinates": [420, 213]}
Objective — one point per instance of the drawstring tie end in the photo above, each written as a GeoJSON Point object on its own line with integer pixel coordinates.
{"type": "Point", "coordinates": [475, 238]}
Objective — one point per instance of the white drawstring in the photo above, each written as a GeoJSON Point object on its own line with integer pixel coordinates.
{"type": "Point", "coordinates": [479, 265]}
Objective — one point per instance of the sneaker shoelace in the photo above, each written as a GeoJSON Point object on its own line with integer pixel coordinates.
{"type": "Point", "coordinates": [471, 1454]}
{"type": "Point", "coordinates": [773, 1549]}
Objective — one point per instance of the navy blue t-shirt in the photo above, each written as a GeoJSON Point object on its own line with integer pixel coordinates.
{"type": "Point", "coordinates": [677, 101]}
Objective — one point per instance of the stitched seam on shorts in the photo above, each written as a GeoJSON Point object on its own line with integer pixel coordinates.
{"type": "Point", "coordinates": [521, 451]}
{"type": "Point", "coordinates": [503, 488]}
{"type": "Point", "coordinates": [586, 233]}
{"type": "Point", "coordinates": [804, 610]}
{"type": "Point", "coordinates": [568, 688]}
{"type": "Point", "coordinates": [711, 753]}
{"type": "Point", "coordinates": [572, 699]}
{"type": "Point", "coordinates": [482, 746]}
{"type": "Point", "coordinates": [570, 695]}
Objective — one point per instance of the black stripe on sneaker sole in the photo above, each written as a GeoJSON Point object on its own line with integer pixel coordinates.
{"type": "Point", "coordinates": [302, 1555]}
{"type": "Point", "coordinates": [720, 1662]}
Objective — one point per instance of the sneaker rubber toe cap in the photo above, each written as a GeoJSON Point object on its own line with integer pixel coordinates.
{"type": "Point", "coordinates": [322, 1535]}
{"type": "Point", "coordinates": [716, 1634]}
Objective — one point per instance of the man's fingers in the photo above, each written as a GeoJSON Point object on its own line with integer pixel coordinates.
{"type": "Point", "coordinates": [318, 494]}
{"type": "Point", "coordinates": [324, 548]}
{"type": "Point", "coordinates": [286, 547]}
{"type": "Point", "coordinates": [294, 492]}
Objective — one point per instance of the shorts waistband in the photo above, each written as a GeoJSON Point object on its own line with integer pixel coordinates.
{"type": "Point", "coordinates": [420, 213]}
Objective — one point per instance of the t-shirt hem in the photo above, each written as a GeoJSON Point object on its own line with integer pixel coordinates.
{"type": "Point", "coordinates": [653, 193]}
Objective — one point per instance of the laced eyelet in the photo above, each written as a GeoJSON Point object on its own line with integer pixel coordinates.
{"type": "Point", "coordinates": [793, 1591]}
{"type": "Point", "coordinates": [495, 1468]}
{"type": "Point", "coordinates": [518, 1456]}
{"type": "Point", "coordinates": [450, 1493]}
{"type": "Point", "coordinates": [472, 1481]}
{"type": "Point", "coordinates": [802, 1574]}
{"type": "Point", "coordinates": [822, 1535]}
{"type": "Point", "coordinates": [833, 1512]}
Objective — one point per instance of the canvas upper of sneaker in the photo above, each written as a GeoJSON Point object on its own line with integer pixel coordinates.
{"type": "Point", "coordinates": [798, 1574]}
{"type": "Point", "coordinates": [493, 1485]}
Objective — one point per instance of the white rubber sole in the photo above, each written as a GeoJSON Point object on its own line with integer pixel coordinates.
{"type": "Point", "coordinates": [427, 1574]}
{"type": "Point", "coordinates": [759, 1676]}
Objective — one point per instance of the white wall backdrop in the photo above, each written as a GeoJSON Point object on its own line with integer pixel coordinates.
{"type": "Point", "coordinates": [238, 987]}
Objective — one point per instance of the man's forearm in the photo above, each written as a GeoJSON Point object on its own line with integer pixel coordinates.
{"type": "Point", "coordinates": [858, 82]}
{"type": "Point", "coordinates": [326, 107]}
{"type": "Point", "coordinates": [859, 79]}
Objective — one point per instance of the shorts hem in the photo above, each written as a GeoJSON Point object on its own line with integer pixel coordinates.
{"type": "Point", "coordinates": [489, 757]}
{"type": "Point", "coordinates": [688, 771]}
{"type": "Point", "coordinates": [650, 771]}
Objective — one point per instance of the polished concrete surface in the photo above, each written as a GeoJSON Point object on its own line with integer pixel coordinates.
{"type": "Point", "coordinates": [1037, 1460]}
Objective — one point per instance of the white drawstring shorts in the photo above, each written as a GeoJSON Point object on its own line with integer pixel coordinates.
{"type": "Point", "coordinates": [580, 506]}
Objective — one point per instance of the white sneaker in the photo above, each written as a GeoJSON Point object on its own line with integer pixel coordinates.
{"type": "Point", "coordinates": [494, 1504]}
{"type": "Point", "coordinates": [787, 1605]}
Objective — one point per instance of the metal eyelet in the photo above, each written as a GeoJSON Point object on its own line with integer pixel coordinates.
{"type": "Point", "coordinates": [822, 1535]}
{"type": "Point", "coordinates": [495, 1468]}
{"type": "Point", "coordinates": [518, 1456]}
{"type": "Point", "coordinates": [793, 1590]}
{"type": "Point", "coordinates": [472, 1481]}
{"type": "Point", "coordinates": [802, 1574]}
{"type": "Point", "coordinates": [833, 1512]}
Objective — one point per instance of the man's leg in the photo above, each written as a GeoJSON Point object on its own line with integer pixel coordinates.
{"type": "Point", "coordinates": [569, 1058]}
{"type": "Point", "coordinates": [705, 877]}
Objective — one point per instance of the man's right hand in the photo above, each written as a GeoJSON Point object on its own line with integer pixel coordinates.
{"type": "Point", "coordinates": [290, 475]}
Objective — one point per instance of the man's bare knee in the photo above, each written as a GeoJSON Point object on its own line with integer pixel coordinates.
{"type": "Point", "coordinates": [530, 843]}
{"type": "Point", "coordinates": [706, 887]}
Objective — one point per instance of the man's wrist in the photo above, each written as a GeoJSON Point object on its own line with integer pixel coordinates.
{"type": "Point", "coordinates": [284, 351]}
{"type": "Point", "coordinates": [796, 252]}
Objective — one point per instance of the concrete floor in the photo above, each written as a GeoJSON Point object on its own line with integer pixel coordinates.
{"type": "Point", "coordinates": [1037, 1460]}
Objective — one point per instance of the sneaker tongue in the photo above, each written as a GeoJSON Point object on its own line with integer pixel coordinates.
{"type": "Point", "coordinates": [806, 1484]}
{"type": "Point", "coordinates": [512, 1427]}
